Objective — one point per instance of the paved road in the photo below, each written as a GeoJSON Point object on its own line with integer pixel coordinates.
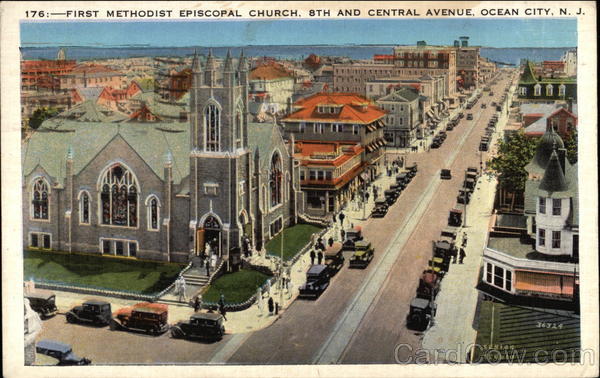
{"type": "Point", "coordinates": [302, 335]}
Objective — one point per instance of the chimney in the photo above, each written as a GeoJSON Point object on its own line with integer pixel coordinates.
{"type": "Point", "coordinates": [570, 104]}
{"type": "Point", "coordinates": [456, 43]}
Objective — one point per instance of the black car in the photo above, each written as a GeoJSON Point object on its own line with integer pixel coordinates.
{"type": "Point", "coordinates": [412, 170]}
{"type": "Point", "coordinates": [469, 116]}
{"type": "Point", "coordinates": [390, 196]}
{"type": "Point", "coordinates": [317, 280]}
{"type": "Point", "coordinates": [446, 174]}
{"type": "Point", "coordinates": [94, 312]}
{"type": "Point", "coordinates": [380, 209]}
{"type": "Point", "coordinates": [200, 326]}
{"type": "Point", "coordinates": [43, 302]}
{"type": "Point", "coordinates": [62, 352]}
{"type": "Point", "coordinates": [334, 258]}
{"type": "Point", "coordinates": [421, 313]}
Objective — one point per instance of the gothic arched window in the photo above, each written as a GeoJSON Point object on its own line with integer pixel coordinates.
{"type": "Point", "coordinates": [212, 125]}
{"type": "Point", "coordinates": [275, 180]}
{"type": "Point", "coordinates": [39, 203]}
{"type": "Point", "coordinates": [153, 212]}
{"type": "Point", "coordinates": [84, 208]}
{"type": "Point", "coordinates": [118, 197]}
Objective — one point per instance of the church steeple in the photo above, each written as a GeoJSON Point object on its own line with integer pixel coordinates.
{"type": "Point", "coordinates": [229, 75]}
{"type": "Point", "coordinates": [195, 63]}
{"type": "Point", "coordinates": [210, 70]}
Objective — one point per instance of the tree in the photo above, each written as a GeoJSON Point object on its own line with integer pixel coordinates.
{"type": "Point", "coordinates": [571, 146]}
{"type": "Point", "coordinates": [40, 115]}
{"type": "Point", "coordinates": [509, 165]}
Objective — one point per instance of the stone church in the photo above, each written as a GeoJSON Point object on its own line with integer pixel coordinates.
{"type": "Point", "coordinates": [97, 181]}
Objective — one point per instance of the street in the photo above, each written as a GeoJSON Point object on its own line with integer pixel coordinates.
{"type": "Point", "coordinates": [360, 318]}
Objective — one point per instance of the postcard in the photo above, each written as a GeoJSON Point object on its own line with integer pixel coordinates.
{"type": "Point", "coordinates": [299, 188]}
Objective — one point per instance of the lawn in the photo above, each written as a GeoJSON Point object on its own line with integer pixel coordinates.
{"type": "Point", "coordinates": [294, 238]}
{"type": "Point", "coordinates": [236, 287]}
{"type": "Point", "coordinates": [99, 272]}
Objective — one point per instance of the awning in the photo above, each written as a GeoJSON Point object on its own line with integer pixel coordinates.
{"type": "Point", "coordinates": [364, 176]}
{"type": "Point", "coordinates": [371, 127]}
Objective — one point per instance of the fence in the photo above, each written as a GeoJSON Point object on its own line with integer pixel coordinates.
{"type": "Point", "coordinates": [123, 294]}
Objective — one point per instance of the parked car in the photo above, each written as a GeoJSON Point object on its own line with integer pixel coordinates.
{"type": "Point", "coordinates": [464, 197]}
{"type": "Point", "coordinates": [94, 311]}
{"type": "Point", "coordinates": [429, 285]}
{"type": "Point", "coordinates": [390, 196]}
{"type": "Point", "coordinates": [403, 179]}
{"type": "Point", "coordinates": [317, 280]}
{"type": "Point", "coordinates": [455, 217]}
{"type": "Point", "coordinates": [334, 258]}
{"type": "Point", "coordinates": [363, 254]}
{"type": "Point", "coordinates": [200, 326]}
{"type": "Point", "coordinates": [352, 236]}
{"type": "Point", "coordinates": [446, 174]}
{"type": "Point", "coordinates": [380, 209]}
{"type": "Point", "coordinates": [483, 106]}
{"type": "Point", "coordinates": [483, 146]}
{"type": "Point", "coordinates": [470, 116]}
{"type": "Point", "coordinates": [420, 314]}
{"type": "Point", "coordinates": [412, 170]}
{"type": "Point", "coordinates": [43, 302]}
{"type": "Point", "coordinates": [145, 317]}
{"type": "Point", "coordinates": [62, 352]}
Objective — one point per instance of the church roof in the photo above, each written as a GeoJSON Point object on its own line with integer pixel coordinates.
{"type": "Point", "coordinates": [90, 111]}
{"type": "Point", "coordinates": [264, 138]}
{"type": "Point", "coordinates": [49, 145]}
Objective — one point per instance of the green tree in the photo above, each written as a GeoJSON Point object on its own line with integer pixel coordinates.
{"type": "Point", "coordinates": [571, 146]}
{"type": "Point", "coordinates": [40, 115]}
{"type": "Point", "coordinates": [514, 154]}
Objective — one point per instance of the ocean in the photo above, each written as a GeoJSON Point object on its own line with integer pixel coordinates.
{"type": "Point", "coordinates": [506, 55]}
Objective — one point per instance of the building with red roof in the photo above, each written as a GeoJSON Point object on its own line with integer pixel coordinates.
{"type": "Point", "coordinates": [339, 141]}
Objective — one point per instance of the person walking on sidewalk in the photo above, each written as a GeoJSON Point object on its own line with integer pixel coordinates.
{"type": "Point", "coordinates": [271, 306]}
{"type": "Point", "coordinates": [462, 255]}
{"type": "Point", "coordinates": [198, 303]}
{"type": "Point", "coordinates": [330, 241]}
{"type": "Point", "coordinates": [464, 241]}
{"type": "Point", "coordinates": [343, 233]}
{"type": "Point", "coordinates": [320, 257]}
{"type": "Point", "coordinates": [207, 268]}
{"type": "Point", "coordinates": [312, 257]}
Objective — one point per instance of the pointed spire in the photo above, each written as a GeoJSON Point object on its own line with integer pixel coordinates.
{"type": "Point", "coordinates": [243, 64]}
{"type": "Point", "coordinates": [554, 178]}
{"type": "Point", "coordinates": [210, 61]}
{"type": "Point", "coordinates": [70, 152]}
{"type": "Point", "coordinates": [228, 65]}
{"type": "Point", "coordinates": [168, 157]}
{"type": "Point", "coordinates": [195, 62]}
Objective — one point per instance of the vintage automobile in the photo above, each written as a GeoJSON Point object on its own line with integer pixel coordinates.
{"type": "Point", "coordinates": [483, 106]}
{"type": "Point", "coordinates": [445, 174]}
{"type": "Point", "coordinates": [363, 254]}
{"type": "Point", "coordinates": [43, 302]}
{"type": "Point", "coordinates": [380, 209]}
{"type": "Point", "coordinates": [472, 170]}
{"type": "Point", "coordinates": [450, 126]}
{"type": "Point", "coordinates": [470, 116]}
{"type": "Point", "coordinates": [464, 197]}
{"type": "Point", "coordinates": [334, 258]}
{"type": "Point", "coordinates": [96, 312]}
{"type": "Point", "coordinates": [437, 142]}
{"type": "Point", "coordinates": [429, 285]}
{"type": "Point", "coordinates": [412, 170]}
{"type": "Point", "coordinates": [469, 106]}
{"type": "Point", "coordinates": [143, 317]}
{"type": "Point", "coordinates": [201, 326]}
{"type": "Point", "coordinates": [403, 179]}
{"type": "Point", "coordinates": [483, 146]}
{"type": "Point", "coordinates": [352, 236]}
{"type": "Point", "coordinates": [420, 314]}
{"type": "Point", "coordinates": [397, 188]}
{"type": "Point", "coordinates": [499, 108]}
{"type": "Point", "coordinates": [470, 183]}
{"type": "Point", "coordinates": [455, 217]}
{"type": "Point", "coordinates": [443, 135]}
{"type": "Point", "coordinates": [317, 280]}
{"type": "Point", "coordinates": [390, 196]}
{"type": "Point", "coordinates": [471, 175]}
{"type": "Point", "coordinates": [62, 352]}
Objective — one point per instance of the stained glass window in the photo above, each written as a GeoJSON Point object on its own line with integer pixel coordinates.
{"type": "Point", "coordinates": [275, 180]}
{"type": "Point", "coordinates": [84, 208]}
{"type": "Point", "coordinates": [119, 197]}
{"type": "Point", "coordinates": [40, 199]}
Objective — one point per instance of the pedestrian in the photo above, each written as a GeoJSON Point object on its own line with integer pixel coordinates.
{"type": "Point", "coordinates": [462, 255]}
{"type": "Point", "coordinates": [222, 299]}
{"type": "Point", "coordinates": [198, 302]}
{"type": "Point", "coordinates": [320, 257]}
{"type": "Point", "coordinates": [259, 299]}
{"type": "Point", "coordinates": [271, 306]}
{"type": "Point", "coordinates": [312, 257]}
{"type": "Point", "coordinates": [207, 269]}
{"type": "Point", "coordinates": [343, 233]}
{"type": "Point", "coordinates": [268, 287]}
{"type": "Point", "coordinates": [342, 216]}
{"type": "Point", "coordinates": [222, 310]}
{"type": "Point", "coordinates": [454, 254]}
{"type": "Point", "coordinates": [330, 241]}
{"type": "Point", "coordinates": [334, 218]}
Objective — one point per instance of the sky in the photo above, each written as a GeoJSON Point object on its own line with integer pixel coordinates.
{"type": "Point", "coordinates": [540, 32]}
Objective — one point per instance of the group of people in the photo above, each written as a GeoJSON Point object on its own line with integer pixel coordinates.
{"type": "Point", "coordinates": [461, 252]}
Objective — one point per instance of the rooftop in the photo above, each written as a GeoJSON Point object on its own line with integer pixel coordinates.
{"type": "Point", "coordinates": [356, 109]}
{"type": "Point", "coordinates": [520, 248]}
